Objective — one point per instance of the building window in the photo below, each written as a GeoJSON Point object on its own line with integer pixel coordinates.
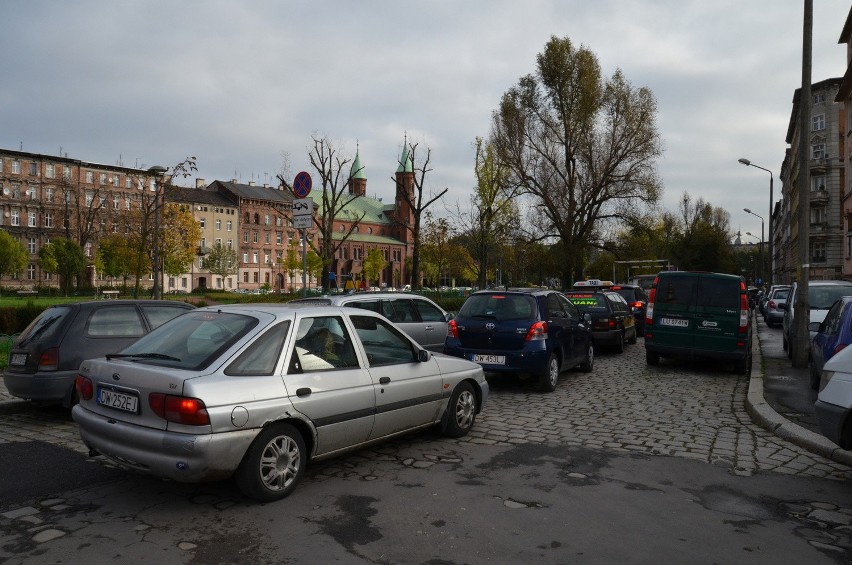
{"type": "Point", "coordinates": [16, 167]}
{"type": "Point", "coordinates": [342, 228]}
{"type": "Point", "coordinates": [31, 245]}
{"type": "Point", "coordinates": [218, 241]}
{"type": "Point", "coordinates": [245, 276]}
{"type": "Point", "coordinates": [818, 151]}
{"type": "Point", "coordinates": [202, 222]}
{"type": "Point", "coordinates": [16, 217]}
{"type": "Point", "coordinates": [266, 238]}
{"type": "Point", "coordinates": [50, 170]}
{"type": "Point", "coordinates": [203, 242]}
{"type": "Point", "coordinates": [33, 169]}
{"type": "Point", "coordinates": [88, 250]}
{"type": "Point", "coordinates": [16, 190]}
{"type": "Point", "coordinates": [116, 202]}
{"type": "Point", "coordinates": [48, 219]}
{"type": "Point", "coordinates": [818, 215]}
{"type": "Point", "coordinates": [229, 225]}
{"type": "Point", "coordinates": [245, 256]}
{"type": "Point", "coordinates": [31, 192]}
{"type": "Point", "coordinates": [30, 272]}
{"type": "Point", "coordinates": [817, 182]}
{"type": "Point", "coordinates": [102, 178]}
{"type": "Point", "coordinates": [31, 219]}
{"type": "Point", "coordinates": [218, 224]}
{"type": "Point", "coordinates": [90, 177]}
{"type": "Point", "coordinates": [116, 181]}
{"type": "Point", "coordinates": [230, 244]}
{"type": "Point", "coordinates": [254, 257]}
{"type": "Point", "coordinates": [818, 122]}
{"type": "Point", "coordinates": [818, 252]}
{"type": "Point", "coordinates": [256, 237]}
{"type": "Point", "coordinates": [48, 194]}
{"type": "Point", "coordinates": [819, 97]}
{"type": "Point", "coordinates": [256, 279]}
{"type": "Point", "coordinates": [245, 237]}
{"type": "Point", "coordinates": [266, 220]}
{"type": "Point", "coordinates": [257, 218]}
{"type": "Point", "coordinates": [279, 238]}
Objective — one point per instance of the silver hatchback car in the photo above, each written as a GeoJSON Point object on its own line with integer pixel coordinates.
{"type": "Point", "coordinates": [414, 314]}
{"type": "Point", "coordinates": [256, 391]}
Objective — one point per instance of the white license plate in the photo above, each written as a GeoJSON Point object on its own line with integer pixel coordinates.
{"type": "Point", "coordinates": [18, 359]}
{"type": "Point", "coordinates": [674, 322]}
{"type": "Point", "coordinates": [490, 359]}
{"type": "Point", "coordinates": [118, 400]}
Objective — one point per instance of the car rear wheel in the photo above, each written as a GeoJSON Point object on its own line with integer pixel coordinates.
{"type": "Point", "coordinates": [547, 380]}
{"type": "Point", "coordinates": [619, 343]}
{"type": "Point", "coordinates": [587, 365]}
{"type": "Point", "coordinates": [461, 412]}
{"type": "Point", "coordinates": [273, 465]}
{"type": "Point", "coordinates": [813, 373]}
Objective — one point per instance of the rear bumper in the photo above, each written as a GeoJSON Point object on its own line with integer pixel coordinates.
{"type": "Point", "coordinates": [695, 352]}
{"type": "Point", "coordinates": [177, 456]}
{"type": "Point", "coordinates": [523, 361]}
{"type": "Point", "coordinates": [52, 387]}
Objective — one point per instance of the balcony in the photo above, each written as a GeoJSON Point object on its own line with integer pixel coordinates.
{"type": "Point", "coordinates": [819, 197]}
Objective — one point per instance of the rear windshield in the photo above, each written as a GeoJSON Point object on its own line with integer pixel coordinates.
{"type": "Point", "coordinates": [588, 302]}
{"type": "Point", "coordinates": [499, 306]}
{"type": "Point", "coordinates": [706, 292]}
{"type": "Point", "coordinates": [822, 297]}
{"type": "Point", "coordinates": [45, 325]}
{"type": "Point", "coordinates": [781, 294]}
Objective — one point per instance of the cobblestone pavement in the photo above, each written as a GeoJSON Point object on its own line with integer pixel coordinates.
{"type": "Point", "coordinates": [682, 409]}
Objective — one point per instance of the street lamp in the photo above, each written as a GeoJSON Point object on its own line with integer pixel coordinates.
{"type": "Point", "coordinates": [762, 262]}
{"type": "Point", "coordinates": [748, 163]}
{"type": "Point", "coordinates": [158, 171]}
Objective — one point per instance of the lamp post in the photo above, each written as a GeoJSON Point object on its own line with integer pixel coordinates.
{"type": "Point", "coordinates": [748, 163]}
{"type": "Point", "coordinates": [762, 262]}
{"type": "Point", "coordinates": [158, 171]}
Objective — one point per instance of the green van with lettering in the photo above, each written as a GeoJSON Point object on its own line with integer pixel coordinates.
{"type": "Point", "coordinates": [699, 315]}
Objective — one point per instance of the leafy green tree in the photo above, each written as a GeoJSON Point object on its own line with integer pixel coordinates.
{"type": "Point", "coordinates": [373, 264]}
{"type": "Point", "coordinates": [116, 257]}
{"type": "Point", "coordinates": [221, 261]}
{"type": "Point", "coordinates": [582, 148]}
{"type": "Point", "coordinates": [292, 264]}
{"type": "Point", "coordinates": [180, 235]}
{"type": "Point", "coordinates": [13, 254]}
{"type": "Point", "coordinates": [316, 266]}
{"type": "Point", "coordinates": [68, 258]}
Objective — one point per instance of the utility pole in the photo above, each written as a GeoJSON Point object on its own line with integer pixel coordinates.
{"type": "Point", "coordinates": [801, 343]}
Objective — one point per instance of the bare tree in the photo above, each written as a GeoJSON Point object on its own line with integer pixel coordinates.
{"type": "Point", "coordinates": [331, 168]}
{"type": "Point", "coordinates": [581, 147]}
{"type": "Point", "coordinates": [410, 192]}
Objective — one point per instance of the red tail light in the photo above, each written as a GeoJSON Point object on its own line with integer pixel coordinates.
{"type": "Point", "coordinates": [179, 409]}
{"type": "Point", "coordinates": [744, 309]}
{"type": "Point", "coordinates": [637, 305]}
{"type": "Point", "coordinates": [772, 305]}
{"type": "Point", "coordinates": [49, 360]}
{"type": "Point", "coordinates": [452, 329]}
{"type": "Point", "coordinates": [85, 389]}
{"type": "Point", "coordinates": [538, 331]}
{"type": "Point", "coordinates": [649, 312]}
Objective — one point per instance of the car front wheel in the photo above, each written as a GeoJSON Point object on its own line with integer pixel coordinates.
{"type": "Point", "coordinates": [273, 465]}
{"type": "Point", "coordinates": [461, 412]}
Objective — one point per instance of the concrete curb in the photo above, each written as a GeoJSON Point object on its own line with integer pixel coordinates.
{"type": "Point", "coordinates": [765, 416]}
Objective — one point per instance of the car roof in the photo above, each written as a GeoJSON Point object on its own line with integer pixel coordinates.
{"type": "Point", "coordinates": [516, 290]}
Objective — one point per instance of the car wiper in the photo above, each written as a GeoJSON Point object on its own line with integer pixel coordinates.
{"type": "Point", "coordinates": [141, 356]}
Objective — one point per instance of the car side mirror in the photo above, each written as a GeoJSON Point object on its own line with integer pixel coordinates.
{"type": "Point", "coordinates": [423, 355]}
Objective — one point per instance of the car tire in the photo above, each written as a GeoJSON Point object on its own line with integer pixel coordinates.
{"type": "Point", "coordinates": [548, 379]}
{"type": "Point", "coordinates": [813, 374]}
{"type": "Point", "coordinates": [619, 343]}
{"type": "Point", "coordinates": [652, 359]}
{"type": "Point", "coordinates": [589, 364]}
{"type": "Point", "coordinates": [273, 465]}
{"type": "Point", "coordinates": [461, 411]}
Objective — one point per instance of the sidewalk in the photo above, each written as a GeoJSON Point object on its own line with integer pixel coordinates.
{"type": "Point", "coordinates": [794, 424]}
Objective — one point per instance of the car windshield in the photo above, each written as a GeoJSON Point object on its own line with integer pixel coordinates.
{"type": "Point", "coordinates": [821, 297]}
{"type": "Point", "coordinates": [499, 306]}
{"type": "Point", "coordinates": [191, 341]}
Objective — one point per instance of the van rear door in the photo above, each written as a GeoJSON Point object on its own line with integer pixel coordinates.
{"type": "Point", "coordinates": [717, 313]}
{"type": "Point", "coordinates": [674, 310]}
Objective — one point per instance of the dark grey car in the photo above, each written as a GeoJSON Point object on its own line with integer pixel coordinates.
{"type": "Point", "coordinates": [416, 315]}
{"type": "Point", "coordinates": [44, 359]}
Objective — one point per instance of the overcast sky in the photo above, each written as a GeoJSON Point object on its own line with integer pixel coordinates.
{"type": "Point", "coordinates": [239, 84]}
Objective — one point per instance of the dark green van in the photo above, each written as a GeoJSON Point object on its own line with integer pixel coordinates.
{"type": "Point", "coordinates": [699, 315]}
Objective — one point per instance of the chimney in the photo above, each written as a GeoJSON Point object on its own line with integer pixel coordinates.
{"type": "Point", "coordinates": [251, 183]}
{"type": "Point", "coordinates": [199, 183]}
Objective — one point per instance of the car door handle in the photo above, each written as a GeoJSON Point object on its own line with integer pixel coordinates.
{"type": "Point", "coordinates": [427, 328]}
{"type": "Point", "coordinates": [303, 391]}
{"type": "Point", "coordinates": [384, 380]}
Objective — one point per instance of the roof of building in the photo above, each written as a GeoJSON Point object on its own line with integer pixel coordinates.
{"type": "Point", "coordinates": [196, 196]}
{"type": "Point", "coordinates": [248, 191]}
{"type": "Point", "coordinates": [357, 170]}
{"type": "Point", "coordinates": [373, 209]}
{"type": "Point", "coordinates": [405, 164]}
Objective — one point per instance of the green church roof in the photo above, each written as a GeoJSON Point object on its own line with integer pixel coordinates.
{"type": "Point", "coordinates": [357, 170]}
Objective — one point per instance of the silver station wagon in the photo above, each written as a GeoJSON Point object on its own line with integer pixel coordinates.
{"type": "Point", "coordinates": [256, 391]}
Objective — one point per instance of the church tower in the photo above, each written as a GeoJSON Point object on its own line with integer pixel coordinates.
{"type": "Point", "coordinates": [405, 193]}
{"type": "Point", "coordinates": [357, 177]}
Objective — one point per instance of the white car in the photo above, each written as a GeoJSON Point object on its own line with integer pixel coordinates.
{"type": "Point", "coordinates": [255, 391]}
{"type": "Point", "coordinates": [834, 405]}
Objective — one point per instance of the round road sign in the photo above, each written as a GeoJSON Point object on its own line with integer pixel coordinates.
{"type": "Point", "coordinates": [302, 185]}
